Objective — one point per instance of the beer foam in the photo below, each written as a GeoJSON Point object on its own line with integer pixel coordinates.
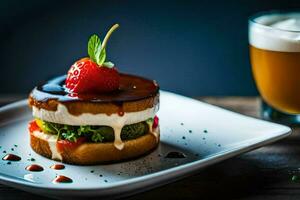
{"type": "Point", "coordinates": [276, 32]}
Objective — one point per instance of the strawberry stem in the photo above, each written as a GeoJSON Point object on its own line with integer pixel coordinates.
{"type": "Point", "coordinates": [108, 34]}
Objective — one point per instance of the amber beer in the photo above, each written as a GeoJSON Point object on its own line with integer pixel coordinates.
{"type": "Point", "coordinates": [277, 76]}
{"type": "Point", "coordinates": [275, 58]}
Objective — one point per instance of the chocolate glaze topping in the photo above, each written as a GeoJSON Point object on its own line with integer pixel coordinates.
{"type": "Point", "coordinates": [132, 88]}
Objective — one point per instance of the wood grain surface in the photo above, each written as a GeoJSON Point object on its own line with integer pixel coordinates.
{"type": "Point", "coordinates": [265, 173]}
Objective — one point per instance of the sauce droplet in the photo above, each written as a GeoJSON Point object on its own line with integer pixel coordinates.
{"type": "Point", "coordinates": [120, 111]}
{"type": "Point", "coordinates": [11, 157]}
{"type": "Point", "coordinates": [34, 168]}
{"type": "Point", "coordinates": [57, 167]}
{"type": "Point", "coordinates": [62, 179]}
{"type": "Point", "coordinates": [175, 154]}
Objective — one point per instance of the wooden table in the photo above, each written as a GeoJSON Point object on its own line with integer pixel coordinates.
{"type": "Point", "coordinates": [265, 173]}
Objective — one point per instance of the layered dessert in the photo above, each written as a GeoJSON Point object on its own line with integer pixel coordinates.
{"type": "Point", "coordinates": [94, 114]}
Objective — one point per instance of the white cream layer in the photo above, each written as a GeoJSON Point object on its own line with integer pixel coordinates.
{"type": "Point", "coordinates": [278, 34]}
{"type": "Point", "coordinates": [62, 116]}
{"type": "Point", "coordinates": [117, 122]}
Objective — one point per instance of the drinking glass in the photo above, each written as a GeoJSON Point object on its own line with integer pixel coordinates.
{"type": "Point", "coordinates": [274, 42]}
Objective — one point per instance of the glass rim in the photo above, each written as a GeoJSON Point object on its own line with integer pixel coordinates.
{"type": "Point", "coordinates": [252, 19]}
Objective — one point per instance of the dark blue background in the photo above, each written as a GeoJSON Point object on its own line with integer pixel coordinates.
{"type": "Point", "coordinates": [190, 47]}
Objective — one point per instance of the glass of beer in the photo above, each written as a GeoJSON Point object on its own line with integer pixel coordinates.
{"type": "Point", "coordinates": [274, 40]}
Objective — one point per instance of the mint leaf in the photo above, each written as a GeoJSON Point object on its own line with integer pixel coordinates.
{"type": "Point", "coordinates": [93, 46]}
{"type": "Point", "coordinates": [101, 58]}
{"type": "Point", "coordinates": [94, 50]}
{"type": "Point", "coordinates": [109, 64]}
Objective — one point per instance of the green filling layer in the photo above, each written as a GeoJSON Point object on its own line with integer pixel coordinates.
{"type": "Point", "coordinates": [94, 133]}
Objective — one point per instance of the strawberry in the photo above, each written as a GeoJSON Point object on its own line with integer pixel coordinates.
{"type": "Point", "coordinates": [94, 74]}
{"type": "Point", "coordinates": [85, 76]}
{"type": "Point", "coordinates": [155, 122]}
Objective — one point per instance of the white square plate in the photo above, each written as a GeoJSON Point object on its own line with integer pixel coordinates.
{"type": "Point", "coordinates": [204, 133]}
